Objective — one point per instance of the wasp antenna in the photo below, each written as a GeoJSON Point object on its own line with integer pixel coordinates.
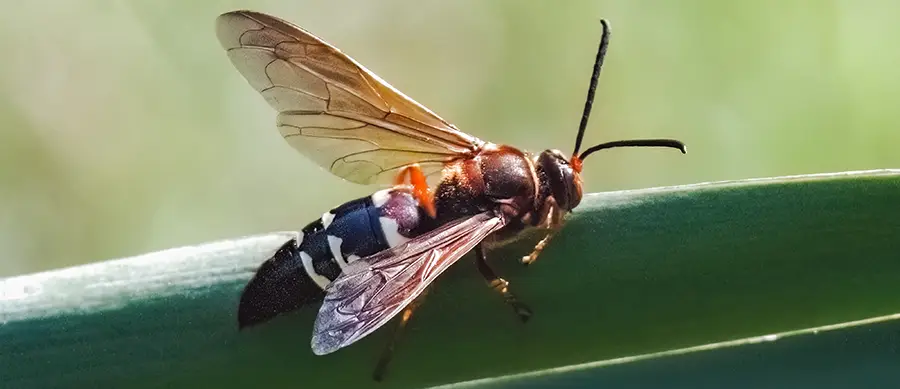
{"type": "Point", "coordinates": [671, 143]}
{"type": "Point", "coordinates": [592, 88]}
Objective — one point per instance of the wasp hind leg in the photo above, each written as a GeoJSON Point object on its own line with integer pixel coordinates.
{"type": "Point", "coordinates": [500, 285]}
{"type": "Point", "coordinates": [388, 352]}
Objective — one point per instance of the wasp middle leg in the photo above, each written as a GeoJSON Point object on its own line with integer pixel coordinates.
{"type": "Point", "coordinates": [500, 285]}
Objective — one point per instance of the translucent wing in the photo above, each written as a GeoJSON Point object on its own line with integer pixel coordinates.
{"type": "Point", "coordinates": [331, 108]}
{"type": "Point", "coordinates": [372, 290]}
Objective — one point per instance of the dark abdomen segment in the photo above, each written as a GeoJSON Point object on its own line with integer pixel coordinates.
{"type": "Point", "coordinates": [302, 268]}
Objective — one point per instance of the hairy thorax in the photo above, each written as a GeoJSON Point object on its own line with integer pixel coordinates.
{"type": "Point", "coordinates": [499, 178]}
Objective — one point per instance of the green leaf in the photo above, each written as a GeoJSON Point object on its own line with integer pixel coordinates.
{"type": "Point", "coordinates": [633, 273]}
{"type": "Point", "coordinates": [860, 354]}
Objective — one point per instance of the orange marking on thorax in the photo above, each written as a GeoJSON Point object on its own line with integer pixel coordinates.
{"type": "Point", "coordinates": [420, 187]}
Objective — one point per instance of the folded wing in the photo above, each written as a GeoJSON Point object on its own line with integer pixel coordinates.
{"type": "Point", "coordinates": [374, 289]}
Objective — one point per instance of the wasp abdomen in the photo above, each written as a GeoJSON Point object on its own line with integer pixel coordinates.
{"type": "Point", "coordinates": [302, 268]}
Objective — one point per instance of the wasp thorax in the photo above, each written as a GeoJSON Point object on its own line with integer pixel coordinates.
{"type": "Point", "coordinates": [559, 178]}
{"type": "Point", "coordinates": [508, 178]}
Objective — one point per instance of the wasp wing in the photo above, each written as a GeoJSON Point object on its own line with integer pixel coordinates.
{"type": "Point", "coordinates": [331, 108]}
{"type": "Point", "coordinates": [374, 289]}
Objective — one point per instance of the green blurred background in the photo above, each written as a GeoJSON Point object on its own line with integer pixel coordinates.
{"type": "Point", "coordinates": [125, 129]}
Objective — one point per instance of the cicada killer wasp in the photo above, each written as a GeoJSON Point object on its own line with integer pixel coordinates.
{"type": "Point", "coordinates": [369, 259]}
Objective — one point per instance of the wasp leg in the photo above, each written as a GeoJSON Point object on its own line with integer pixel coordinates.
{"type": "Point", "coordinates": [388, 352]}
{"type": "Point", "coordinates": [551, 219]}
{"type": "Point", "coordinates": [420, 187]}
{"type": "Point", "coordinates": [500, 285]}
{"type": "Point", "coordinates": [538, 248]}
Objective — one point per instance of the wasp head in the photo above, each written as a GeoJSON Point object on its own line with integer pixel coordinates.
{"type": "Point", "coordinates": [559, 178]}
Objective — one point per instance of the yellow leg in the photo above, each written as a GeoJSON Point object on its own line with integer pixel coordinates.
{"type": "Point", "coordinates": [538, 248]}
{"type": "Point", "coordinates": [500, 285]}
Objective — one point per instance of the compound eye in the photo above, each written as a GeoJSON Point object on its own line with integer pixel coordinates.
{"type": "Point", "coordinates": [563, 188]}
{"type": "Point", "coordinates": [574, 193]}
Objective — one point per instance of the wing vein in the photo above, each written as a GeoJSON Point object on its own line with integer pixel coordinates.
{"type": "Point", "coordinates": [296, 72]}
{"type": "Point", "coordinates": [374, 289]}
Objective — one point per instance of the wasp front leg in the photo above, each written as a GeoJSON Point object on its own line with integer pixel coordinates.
{"type": "Point", "coordinates": [420, 187]}
{"type": "Point", "coordinates": [500, 285]}
{"type": "Point", "coordinates": [538, 249]}
{"type": "Point", "coordinates": [551, 219]}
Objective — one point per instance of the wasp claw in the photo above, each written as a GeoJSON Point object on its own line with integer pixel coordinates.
{"type": "Point", "coordinates": [523, 311]}
{"type": "Point", "coordinates": [526, 260]}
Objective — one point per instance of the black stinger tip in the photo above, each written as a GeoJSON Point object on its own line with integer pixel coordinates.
{"type": "Point", "coordinates": [279, 286]}
{"type": "Point", "coordinates": [253, 310]}
{"type": "Point", "coordinates": [260, 304]}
